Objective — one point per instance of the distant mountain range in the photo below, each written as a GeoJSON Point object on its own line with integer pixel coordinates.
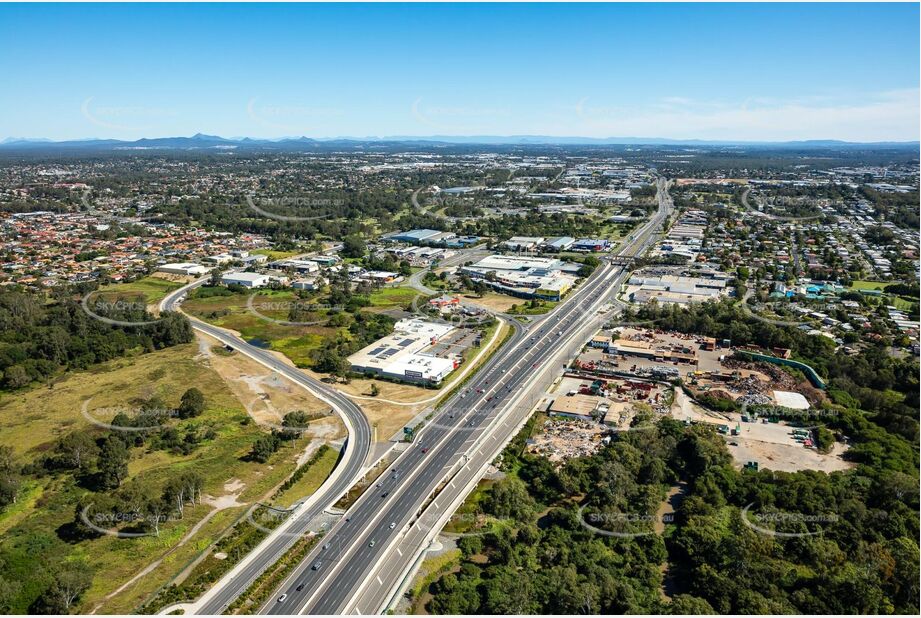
{"type": "Point", "coordinates": [202, 141]}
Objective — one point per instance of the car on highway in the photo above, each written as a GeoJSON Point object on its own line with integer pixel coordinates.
{"type": "Point", "coordinates": [385, 494]}
{"type": "Point", "coordinates": [326, 546]}
{"type": "Point", "coordinates": [282, 598]}
{"type": "Point", "coordinates": [425, 450]}
{"type": "Point", "coordinates": [393, 525]}
{"type": "Point", "coordinates": [300, 587]}
{"type": "Point", "coordinates": [316, 565]}
{"type": "Point", "coordinates": [371, 544]}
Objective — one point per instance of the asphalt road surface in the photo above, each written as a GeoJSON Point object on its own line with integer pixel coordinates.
{"type": "Point", "coordinates": [360, 545]}
{"type": "Point", "coordinates": [351, 462]}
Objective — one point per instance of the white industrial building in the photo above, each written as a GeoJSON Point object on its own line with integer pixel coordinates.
{"type": "Point", "coordinates": [403, 355]}
{"type": "Point", "coordinates": [247, 280]}
{"type": "Point", "coordinates": [525, 277]}
{"type": "Point", "coordinates": [184, 268]}
{"type": "Point", "coordinates": [681, 289]}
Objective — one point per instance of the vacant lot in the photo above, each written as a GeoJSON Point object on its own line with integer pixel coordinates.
{"type": "Point", "coordinates": [262, 323]}
{"type": "Point", "coordinates": [153, 288]}
{"type": "Point", "coordinates": [31, 422]}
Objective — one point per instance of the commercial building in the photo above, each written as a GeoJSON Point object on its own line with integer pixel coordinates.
{"type": "Point", "coordinates": [303, 267]}
{"type": "Point", "coordinates": [522, 243]}
{"type": "Point", "coordinates": [184, 268]}
{"type": "Point", "coordinates": [408, 354]}
{"type": "Point", "coordinates": [247, 280]}
{"type": "Point", "coordinates": [559, 243]}
{"type": "Point", "coordinates": [665, 287]}
{"type": "Point", "coordinates": [525, 277]}
{"type": "Point", "coordinates": [221, 258]}
{"type": "Point", "coordinates": [592, 245]}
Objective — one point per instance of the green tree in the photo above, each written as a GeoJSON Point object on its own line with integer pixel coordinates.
{"type": "Point", "coordinates": [510, 498]}
{"type": "Point", "coordinates": [71, 580]}
{"type": "Point", "coordinates": [192, 403]}
{"type": "Point", "coordinates": [77, 451]}
{"type": "Point", "coordinates": [113, 462]}
{"type": "Point", "coordinates": [353, 246]}
{"type": "Point", "coordinates": [264, 447]}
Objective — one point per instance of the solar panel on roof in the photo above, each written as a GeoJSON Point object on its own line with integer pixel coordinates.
{"type": "Point", "coordinates": [376, 351]}
{"type": "Point", "coordinates": [406, 342]}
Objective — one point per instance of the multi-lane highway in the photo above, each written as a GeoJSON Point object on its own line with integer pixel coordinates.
{"type": "Point", "coordinates": [347, 470]}
{"type": "Point", "coordinates": [368, 552]}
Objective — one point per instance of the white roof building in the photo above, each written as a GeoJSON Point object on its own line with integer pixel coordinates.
{"type": "Point", "coordinates": [248, 280]}
{"type": "Point", "coordinates": [403, 354]}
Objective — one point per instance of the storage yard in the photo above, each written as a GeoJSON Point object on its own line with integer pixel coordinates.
{"type": "Point", "coordinates": [625, 372]}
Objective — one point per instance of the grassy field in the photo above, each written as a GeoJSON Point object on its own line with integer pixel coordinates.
{"type": "Point", "coordinates": [38, 524]}
{"type": "Point", "coordinates": [393, 297]}
{"type": "Point", "coordinates": [870, 285]}
{"type": "Point", "coordinates": [294, 341]}
{"type": "Point", "coordinates": [276, 255]}
{"type": "Point", "coordinates": [526, 308]}
{"type": "Point", "coordinates": [152, 288]}
{"type": "Point", "coordinates": [899, 302]}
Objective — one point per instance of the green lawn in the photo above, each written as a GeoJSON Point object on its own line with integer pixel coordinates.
{"type": "Point", "coordinates": [525, 308]}
{"type": "Point", "coordinates": [870, 285]}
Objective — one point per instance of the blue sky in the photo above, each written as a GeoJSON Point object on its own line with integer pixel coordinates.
{"type": "Point", "coordinates": [716, 71]}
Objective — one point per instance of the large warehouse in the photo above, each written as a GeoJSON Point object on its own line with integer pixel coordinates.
{"type": "Point", "coordinates": [183, 268]}
{"type": "Point", "coordinates": [406, 354]}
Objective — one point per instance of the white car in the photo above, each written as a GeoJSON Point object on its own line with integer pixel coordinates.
{"type": "Point", "coordinates": [282, 598]}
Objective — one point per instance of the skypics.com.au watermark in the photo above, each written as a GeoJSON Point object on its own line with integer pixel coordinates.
{"type": "Point", "coordinates": [124, 117]}
{"type": "Point", "coordinates": [138, 419]}
{"type": "Point", "coordinates": [275, 207]}
{"type": "Point", "coordinates": [110, 523]}
{"type": "Point", "coordinates": [298, 312]}
{"type": "Point", "coordinates": [102, 310]}
{"type": "Point", "coordinates": [455, 118]}
{"type": "Point", "coordinates": [767, 523]}
{"type": "Point", "coordinates": [623, 525]}
{"type": "Point", "coordinates": [296, 119]}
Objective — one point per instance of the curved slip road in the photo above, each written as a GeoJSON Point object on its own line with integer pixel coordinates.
{"type": "Point", "coordinates": [346, 472]}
